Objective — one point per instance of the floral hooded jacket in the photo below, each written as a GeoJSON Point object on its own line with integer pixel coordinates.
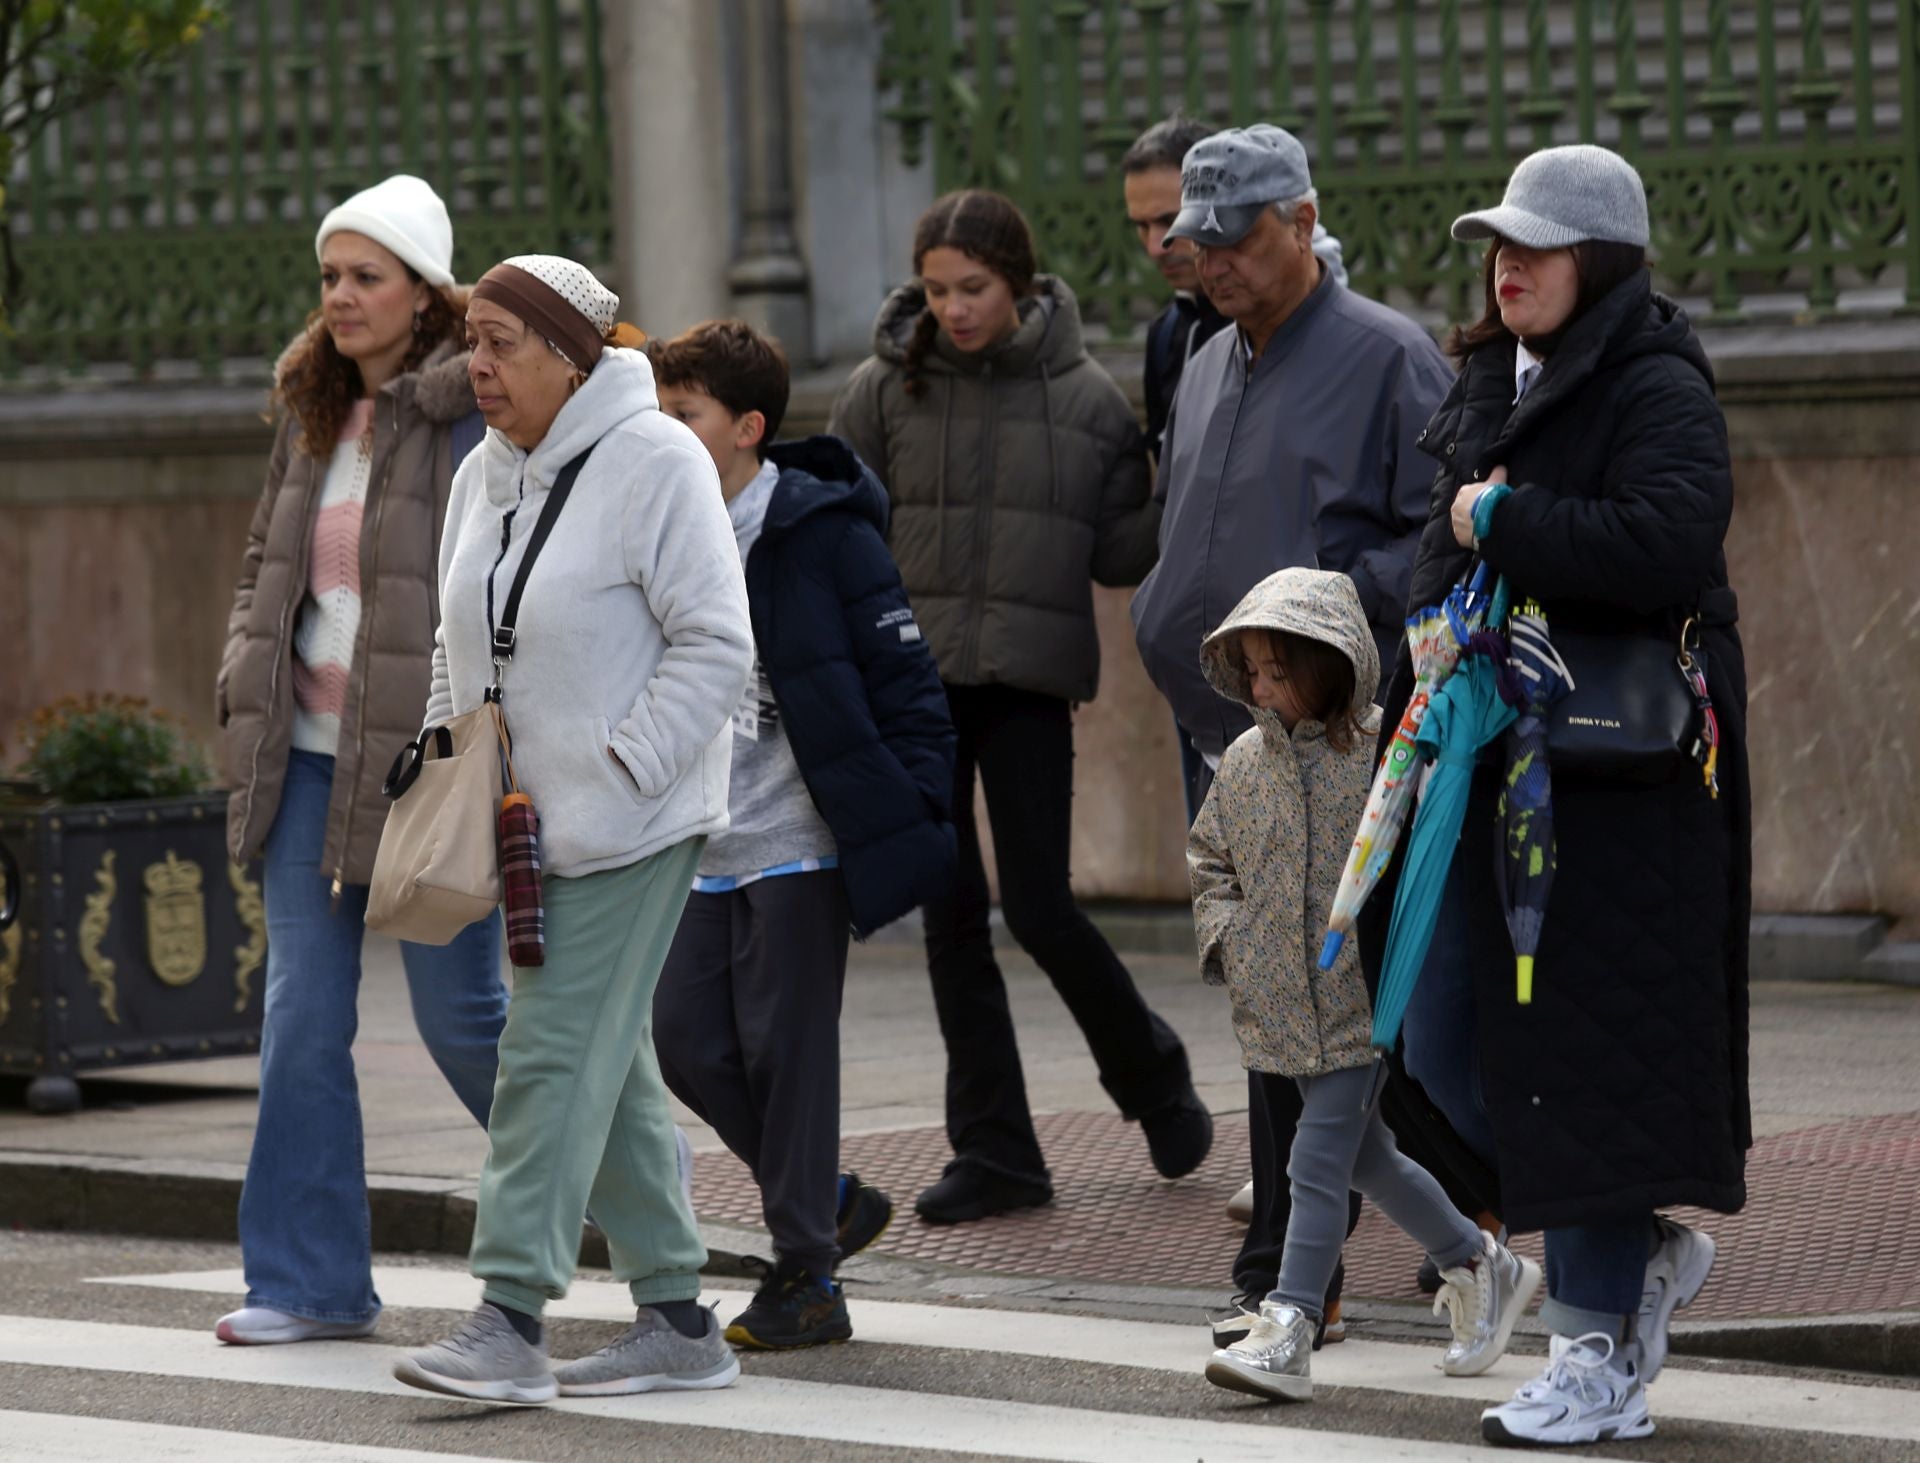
{"type": "Point", "coordinates": [1267, 851]}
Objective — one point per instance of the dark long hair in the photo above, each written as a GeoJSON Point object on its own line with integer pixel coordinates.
{"type": "Point", "coordinates": [1600, 263]}
{"type": "Point", "coordinates": [319, 386]}
{"type": "Point", "coordinates": [986, 227]}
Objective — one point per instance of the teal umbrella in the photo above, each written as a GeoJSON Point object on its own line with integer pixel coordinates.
{"type": "Point", "coordinates": [1469, 710]}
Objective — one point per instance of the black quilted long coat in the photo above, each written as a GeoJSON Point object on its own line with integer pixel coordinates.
{"type": "Point", "coordinates": [1623, 1086]}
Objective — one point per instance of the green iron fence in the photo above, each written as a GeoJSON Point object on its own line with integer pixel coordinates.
{"type": "Point", "coordinates": [175, 223]}
{"type": "Point", "coordinates": [1780, 142]}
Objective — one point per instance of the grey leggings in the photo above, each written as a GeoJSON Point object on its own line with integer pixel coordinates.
{"type": "Point", "coordinates": [1338, 1146]}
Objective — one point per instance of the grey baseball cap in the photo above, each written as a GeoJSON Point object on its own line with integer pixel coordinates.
{"type": "Point", "coordinates": [1565, 195]}
{"type": "Point", "coordinates": [1230, 178]}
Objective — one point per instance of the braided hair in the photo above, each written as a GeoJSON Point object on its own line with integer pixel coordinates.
{"type": "Point", "coordinates": [986, 227]}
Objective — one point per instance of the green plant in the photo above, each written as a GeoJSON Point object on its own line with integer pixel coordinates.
{"type": "Point", "coordinates": [107, 749]}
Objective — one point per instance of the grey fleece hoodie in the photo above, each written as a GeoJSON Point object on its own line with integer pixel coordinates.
{"type": "Point", "coordinates": [633, 640]}
{"type": "Point", "coordinates": [1267, 851]}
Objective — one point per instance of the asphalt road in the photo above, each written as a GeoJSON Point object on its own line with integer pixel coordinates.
{"type": "Point", "coordinates": [107, 1353]}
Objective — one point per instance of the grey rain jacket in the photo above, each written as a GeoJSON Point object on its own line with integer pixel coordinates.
{"type": "Point", "coordinates": [1307, 459]}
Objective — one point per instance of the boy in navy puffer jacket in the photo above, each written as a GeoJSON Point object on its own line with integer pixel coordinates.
{"type": "Point", "coordinates": [842, 764]}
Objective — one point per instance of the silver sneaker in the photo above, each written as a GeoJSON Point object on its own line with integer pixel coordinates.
{"type": "Point", "coordinates": [653, 1357]}
{"type": "Point", "coordinates": [1676, 1273]}
{"type": "Point", "coordinates": [486, 1359]}
{"type": "Point", "coordinates": [1483, 1302]}
{"type": "Point", "coordinates": [1274, 1359]}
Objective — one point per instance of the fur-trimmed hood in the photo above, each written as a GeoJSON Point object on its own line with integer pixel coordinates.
{"type": "Point", "coordinates": [438, 384]}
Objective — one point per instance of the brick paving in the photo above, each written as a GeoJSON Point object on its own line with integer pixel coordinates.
{"type": "Point", "coordinates": [1113, 1220]}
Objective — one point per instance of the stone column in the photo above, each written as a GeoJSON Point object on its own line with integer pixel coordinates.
{"type": "Point", "coordinates": [857, 201]}
{"type": "Point", "coordinates": [672, 224]}
{"type": "Point", "coordinates": [768, 276]}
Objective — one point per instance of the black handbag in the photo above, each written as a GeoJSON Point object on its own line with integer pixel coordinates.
{"type": "Point", "coordinates": [1631, 714]}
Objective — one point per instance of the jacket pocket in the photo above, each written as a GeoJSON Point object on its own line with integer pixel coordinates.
{"type": "Point", "coordinates": [613, 764]}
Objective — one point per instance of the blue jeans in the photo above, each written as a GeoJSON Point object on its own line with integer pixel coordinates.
{"type": "Point", "coordinates": [305, 1229]}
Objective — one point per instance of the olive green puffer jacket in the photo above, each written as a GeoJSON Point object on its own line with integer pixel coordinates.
{"type": "Point", "coordinates": [1018, 478]}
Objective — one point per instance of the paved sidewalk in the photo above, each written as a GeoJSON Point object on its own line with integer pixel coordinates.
{"type": "Point", "coordinates": [1835, 1175]}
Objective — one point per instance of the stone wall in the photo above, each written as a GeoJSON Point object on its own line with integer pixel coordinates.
{"type": "Point", "coordinates": [123, 516]}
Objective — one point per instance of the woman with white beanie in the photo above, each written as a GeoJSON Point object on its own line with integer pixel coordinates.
{"type": "Point", "coordinates": [327, 663]}
{"type": "Point", "coordinates": [630, 653]}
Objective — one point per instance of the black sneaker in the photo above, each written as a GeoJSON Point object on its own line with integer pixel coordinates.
{"type": "Point", "coordinates": [1179, 1135]}
{"type": "Point", "coordinates": [791, 1309]}
{"type": "Point", "coordinates": [864, 1215]}
{"type": "Point", "coordinates": [968, 1191]}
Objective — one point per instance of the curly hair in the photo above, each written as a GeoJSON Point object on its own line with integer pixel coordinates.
{"type": "Point", "coordinates": [318, 386]}
{"type": "Point", "coordinates": [986, 227]}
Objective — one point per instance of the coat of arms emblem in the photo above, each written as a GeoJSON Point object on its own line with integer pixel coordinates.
{"type": "Point", "coordinates": [176, 920]}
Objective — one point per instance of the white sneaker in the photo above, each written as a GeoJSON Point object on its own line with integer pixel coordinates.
{"type": "Point", "coordinates": [263, 1326]}
{"type": "Point", "coordinates": [1240, 1206]}
{"type": "Point", "coordinates": [1589, 1393]}
{"type": "Point", "coordinates": [1484, 1302]}
{"type": "Point", "coordinates": [1676, 1273]}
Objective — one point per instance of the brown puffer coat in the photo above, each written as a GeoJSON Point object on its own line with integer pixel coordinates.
{"type": "Point", "coordinates": [1018, 479]}
{"type": "Point", "coordinates": [400, 607]}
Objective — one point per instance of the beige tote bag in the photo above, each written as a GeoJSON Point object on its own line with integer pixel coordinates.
{"type": "Point", "coordinates": [438, 869]}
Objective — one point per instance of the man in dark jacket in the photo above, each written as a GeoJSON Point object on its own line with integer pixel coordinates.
{"type": "Point", "coordinates": [842, 765]}
{"type": "Point", "coordinates": [1293, 435]}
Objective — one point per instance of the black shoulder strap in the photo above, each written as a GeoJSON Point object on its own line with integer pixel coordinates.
{"type": "Point", "coordinates": [549, 511]}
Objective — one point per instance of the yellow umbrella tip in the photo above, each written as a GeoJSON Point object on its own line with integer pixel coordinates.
{"type": "Point", "coordinates": [1525, 991]}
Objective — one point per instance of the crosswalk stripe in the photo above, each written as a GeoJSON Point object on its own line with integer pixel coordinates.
{"type": "Point", "coordinates": [53, 1437]}
{"type": "Point", "coordinates": [1682, 1393]}
{"type": "Point", "coordinates": [767, 1406]}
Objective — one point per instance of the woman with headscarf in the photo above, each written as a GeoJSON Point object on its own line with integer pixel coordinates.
{"type": "Point", "coordinates": [631, 650]}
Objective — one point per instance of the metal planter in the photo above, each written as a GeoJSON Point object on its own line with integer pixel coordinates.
{"type": "Point", "coordinates": [135, 940]}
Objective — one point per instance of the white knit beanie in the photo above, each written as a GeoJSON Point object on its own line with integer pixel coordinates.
{"type": "Point", "coordinates": [403, 214]}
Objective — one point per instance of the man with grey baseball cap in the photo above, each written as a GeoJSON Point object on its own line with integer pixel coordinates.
{"type": "Point", "coordinates": [1292, 437]}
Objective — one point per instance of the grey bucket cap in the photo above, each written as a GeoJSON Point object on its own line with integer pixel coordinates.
{"type": "Point", "coordinates": [1229, 179]}
{"type": "Point", "coordinates": [1565, 195]}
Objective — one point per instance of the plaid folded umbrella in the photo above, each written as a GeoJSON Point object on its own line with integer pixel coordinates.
{"type": "Point", "coordinates": [520, 880]}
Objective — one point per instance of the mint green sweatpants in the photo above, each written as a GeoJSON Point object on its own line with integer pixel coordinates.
{"type": "Point", "coordinates": [580, 1114]}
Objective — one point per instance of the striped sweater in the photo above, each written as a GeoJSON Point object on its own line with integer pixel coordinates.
{"type": "Point", "coordinates": [329, 623]}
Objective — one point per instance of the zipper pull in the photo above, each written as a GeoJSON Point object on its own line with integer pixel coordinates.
{"type": "Point", "coordinates": [333, 906]}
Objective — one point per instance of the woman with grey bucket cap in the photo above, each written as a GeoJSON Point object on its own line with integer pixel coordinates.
{"type": "Point", "coordinates": [1583, 455]}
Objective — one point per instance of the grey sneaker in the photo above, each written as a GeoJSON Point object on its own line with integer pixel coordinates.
{"type": "Point", "coordinates": [1676, 1273]}
{"type": "Point", "coordinates": [1274, 1359]}
{"type": "Point", "coordinates": [1484, 1301]}
{"type": "Point", "coordinates": [485, 1359]}
{"type": "Point", "coordinates": [653, 1357]}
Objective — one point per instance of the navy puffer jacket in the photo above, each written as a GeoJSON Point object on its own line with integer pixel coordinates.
{"type": "Point", "coordinates": [857, 688]}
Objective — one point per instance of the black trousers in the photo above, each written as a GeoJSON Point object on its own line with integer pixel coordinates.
{"type": "Point", "coordinates": [746, 1023]}
{"type": "Point", "coordinates": [1021, 744]}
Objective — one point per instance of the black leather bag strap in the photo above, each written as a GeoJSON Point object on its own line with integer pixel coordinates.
{"type": "Point", "coordinates": [503, 634]}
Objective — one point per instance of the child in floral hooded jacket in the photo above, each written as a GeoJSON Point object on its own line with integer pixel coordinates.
{"type": "Point", "coordinates": [1264, 859]}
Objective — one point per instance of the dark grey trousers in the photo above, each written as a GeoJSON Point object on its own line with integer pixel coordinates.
{"type": "Point", "coordinates": [747, 1027]}
{"type": "Point", "coordinates": [1340, 1144]}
